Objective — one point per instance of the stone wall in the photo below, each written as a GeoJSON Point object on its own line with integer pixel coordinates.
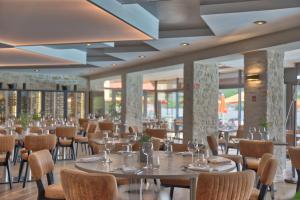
{"type": "Point", "coordinates": [36, 81]}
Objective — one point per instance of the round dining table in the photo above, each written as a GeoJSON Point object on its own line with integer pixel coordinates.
{"type": "Point", "coordinates": [172, 166]}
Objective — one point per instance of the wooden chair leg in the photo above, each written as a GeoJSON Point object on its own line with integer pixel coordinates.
{"type": "Point", "coordinates": [171, 193]}
{"type": "Point", "coordinates": [77, 148]}
{"type": "Point", "coordinates": [73, 152]}
{"type": "Point", "coordinates": [20, 170]}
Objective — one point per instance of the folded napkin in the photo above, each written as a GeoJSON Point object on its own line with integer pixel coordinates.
{"type": "Point", "coordinates": [199, 168]}
{"type": "Point", "coordinates": [184, 153]}
{"type": "Point", "coordinates": [218, 160]}
{"type": "Point", "coordinates": [91, 159]}
{"type": "Point", "coordinates": [130, 170]}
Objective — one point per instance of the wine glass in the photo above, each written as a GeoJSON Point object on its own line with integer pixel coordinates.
{"type": "Point", "coordinates": [147, 149]}
{"type": "Point", "coordinates": [252, 131]}
{"type": "Point", "coordinates": [109, 146]}
{"type": "Point", "coordinates": [191, 148]}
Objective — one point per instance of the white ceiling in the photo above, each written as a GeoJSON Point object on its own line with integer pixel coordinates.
{"type": "Point", "coordinates": [202, 24]}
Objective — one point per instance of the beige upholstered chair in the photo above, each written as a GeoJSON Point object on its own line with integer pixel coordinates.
{"type": "Point", "coordinates": [107, 126]}
{"type": "Point", "coordinates": [7, 143]}
{"type": "Point", "coordinates": [34, 143]}
{"type": "Point", "coordinates": [156, 133]}
{"type": "Point", "coordinates": [266, 173]}
{"type": "Point", "coordinates": [83, 140]}
{"type": "Point", "coordinates": [294, 153]}
{"type": "Point", "coordinates": [213, 145]}
{"type": "Point", "coordinates": [239, 134]}
{"type": "Point", "coordinates": [79, 185]}
{"type": "Point", "coordinates": [41, 164]}
{"type": "Point", "coordinates": [65, 139]}
{"type": "Point", "coordinates": [253, 150]}
{"type": "Point", "coordinates": [225, 186]}
{"type": "Point", "coordinates": [83, 124]}
{"type": "Point", "coordinates": [172, 183]}
{"type": "Point", "coordinates": [35, 129]}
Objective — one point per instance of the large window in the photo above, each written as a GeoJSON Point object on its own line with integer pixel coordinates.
{"type": "Point", "coordinates": [112, 98]}
{"type": "Point", "coordinates": [230, 110]}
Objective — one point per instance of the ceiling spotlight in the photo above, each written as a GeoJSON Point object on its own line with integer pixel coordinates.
{"type": "Point", "coordinates": [88, 44]}
{"type": "Point", "coordinates": [114, 64]}
{"type": "Point", "coordinates": [142, 56]}
{"type": "Point", "coordinates": [184, 44]}
{"type": "Point", "coordinates": [220, 65]}
{"type": "Point", "coordinates": [36, 70]}
{"type": "Point", "coordinates": [260, 22]}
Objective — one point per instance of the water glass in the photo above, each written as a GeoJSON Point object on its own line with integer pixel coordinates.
{"type": "Point", "coordinates": [156, 161]}
{"type": "Point", "coordinates": [191, 148]}
{"type": "Point", "coordinates": [147, 149]}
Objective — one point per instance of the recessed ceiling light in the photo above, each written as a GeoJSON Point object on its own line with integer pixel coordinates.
{"type": "Point", "coordinates": [88, 44]}
{"type": "Point", "coordinates": [260, 22]}
{"type": "Point", "coordinates": [184, 44]}
{"type": "Point", "coordinates": [114, 64]}
{"type": "Point", "coordinates": [142, 56]}
{"type": "Point", "coordinates": [220, 65]}
{"type": "Point", "coordinates": [36, 70]}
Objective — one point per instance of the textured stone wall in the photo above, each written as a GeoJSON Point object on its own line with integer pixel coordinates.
{"type": "Point", "coordinates": [264, 98]}
{"type": "Point", "coordinates": [35, 81]}
{"type": "Point", "coordinates": [132, 93]}
{"type": "Point", "coordinates": [205, 100]}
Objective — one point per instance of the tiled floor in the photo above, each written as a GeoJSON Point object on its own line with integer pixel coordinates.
{"type": "Point", "coordinates": [284, 190]}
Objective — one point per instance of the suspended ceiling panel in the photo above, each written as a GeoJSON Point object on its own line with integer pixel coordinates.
{"type": "Point", "coordinates": [17, 57]}
{"type": "Point", "coordinates": [36, 22]}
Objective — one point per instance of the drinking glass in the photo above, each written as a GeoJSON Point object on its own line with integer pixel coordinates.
{"type": "Point", "coordinates": [252, 131]}
{"type": "Point", "coordinates": [191, 148]}
{"type": "Point", "coordinates": [156, 161]}
{"type": "Point", "coordinates": [109, 146]}
{"type": "Point", "coordinates": [147, 149]}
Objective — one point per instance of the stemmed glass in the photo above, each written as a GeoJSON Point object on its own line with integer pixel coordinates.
{"type": "Point", "coordinates": [147, 149]}
{"type": "Point", "coordinates": [191, 148]}
{"type": "Point", "coordinates": [109, 146]}
{"type": "Point", "coordinates": [252, 131]}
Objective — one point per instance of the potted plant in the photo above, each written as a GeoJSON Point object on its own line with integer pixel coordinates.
{"type": "Point", "coordinates": [144, 138]}
{"type": "Point", "coordinates": [36, 117]}
{"type": "Point", "coordinates": [24, 121]}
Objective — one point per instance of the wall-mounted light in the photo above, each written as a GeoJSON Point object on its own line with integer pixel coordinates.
{"type": "Point", "coordinates": [252, 77]}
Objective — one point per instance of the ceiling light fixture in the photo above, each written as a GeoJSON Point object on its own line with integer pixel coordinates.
{"type": "Point", "coordinates": [142, 56]}
{"type": "Point", "coordinates": [114, 65]}
{"type": "Point", "coordinates": [260, 22]}
{"type": "Point", "coordinates": [88, 44]}
{"type": "Point", "coordinates": [184, 44]}
{"type": "Point", "coordinates": [36, 70]}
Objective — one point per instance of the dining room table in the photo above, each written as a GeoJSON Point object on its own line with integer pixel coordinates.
{"type": "Point", "coordinates": [171, 166]}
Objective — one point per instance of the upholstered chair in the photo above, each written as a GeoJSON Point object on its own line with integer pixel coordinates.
{"type": "Point", "coordinates": [157, 145]}
{"type": "Point", "coordinates": [107, 126]}
{"type": "Point", "coordinates": [266, 173]}
{"type": "Point", "coordinates": [41, 164]}
{"type": "Point", "coordinates": [83, 140]}
{"type": "Point", "coordinates": [240, 133]}
{"type": "Point", "coordinates": [36, 130]}
{"type": "Point", "coordinates": [253, 150]}
{"type": "Point", "coordinates": [79, 185]}
{"type": "Point", "coordinates": [96, 148]}
{"type": "Point", "coordinates": [7, 143]}
{"type": "Point", "coordinates": [33, 143]}
{"type": "Point", "coordinates": [172, 183]}
{"type": "Point", "coordinates": [156, 133]}
{"type": "Point", "coordinates": [213, 145]}
{"type": "Point", "coordinates": [83, 124]}
{"type": "Point", "coordinates": [65, 139]}
{"type": "Point", "coordinates": [294, 153]}
{"type": "Point", "coordinates": [225, 186]}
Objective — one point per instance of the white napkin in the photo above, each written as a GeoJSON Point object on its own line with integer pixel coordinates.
{"type": "Point", "coordinates": [130, 170]}
{"type": "Point", "coordinates": [91, 159]}
{"type": "Point", "coordinates": [200, 168]}
{"type": "Point", "coordinates": [184, 153]}
{"type": "Point", "coordinates": [218, 160]}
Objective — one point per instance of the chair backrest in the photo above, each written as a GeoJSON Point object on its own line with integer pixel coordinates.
{"type": "Point", "coordinates": [19, 130]}
{"type": "Point", "coordinates": [156, 144]}
{"type": "Point", "coordinates": [67, 132]}
{"type": "Point", "coordinates": [41, 163]}
{"type": "Point", "coordinates": [82, 122]}
{"type": "Point", "coordinates": [79, 185]}
{"type": "Point", "coordinates": [158, 133]}
{"type": "Point", "coordinates": [35, 129]}
{"type": "Point", "coordinates": [91, 128]}
{"type": "Point", "coordinates": [269, 171]}
{"type": "Point", "coordinates": [213, 144]}
{"type": "Point", "coordinates": [264, 159]}
{"type": "Point", "coordinates": [3, 131]}
{"type": "Point", "coordinates": [290, 138]}
{"type": "Point", "coordinates": [255, 148]}
{"type": "Point", "coordinates": [179, 147]}
{"type": "Point", "coordinates": [294, 153]}
{"type": "Point", "coordinates": [225, 186]}
{"type": "Point", "coordinates": [40, 142]}
{"type": "Point", "coordinates": [130, 129]}
{"type": "Point", "coordinates": [7, 143]}
{"type": "Point", "coordinates": [106, 126]}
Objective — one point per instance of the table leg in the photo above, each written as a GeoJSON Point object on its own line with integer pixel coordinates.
{"type": "Point", "coordinates": [193, 188]}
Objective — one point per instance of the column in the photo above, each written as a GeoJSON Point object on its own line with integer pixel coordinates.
{"type": "Point", "coordinates": [264, 96]}
{"type": "Point", "coordinates": [201, 92]}
{"type": "Point", "coordinates": [132, 92]}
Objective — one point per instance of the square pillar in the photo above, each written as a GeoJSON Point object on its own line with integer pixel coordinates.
{"type": "Point", "coordinates": [201, 93]}
{"type": "Point", "coordinates": [132, 93]}
{"type": "Point", "coordinates": [264, 97]}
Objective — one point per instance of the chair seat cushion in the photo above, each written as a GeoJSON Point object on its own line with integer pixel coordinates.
{"type": "Point", "coordinates": [254, 194]}
{"type": "Point", "coordinates": [252, 163]}
{"type": "Point", "coordinates": [235, 158]}
{"type": "Point", "coordinates": [232, 145]}
{"type": "Point", "coordinates": [81, 139]}
{"type": "Point", "coordinates": [176, 182]}
{"type": "Point", "coordinates": [65, 142]}
{"type": "Point", "coordinates": [2, 158]}
{"type": "Point", "coordinates": [54, 191]}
